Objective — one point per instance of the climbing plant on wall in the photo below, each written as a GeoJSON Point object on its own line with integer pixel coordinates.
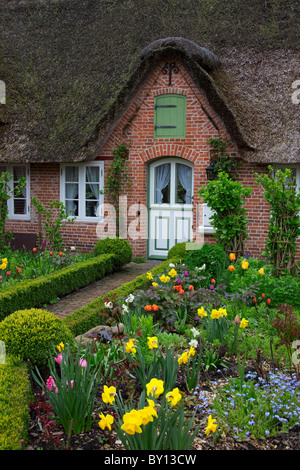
{"type": "Point", "coordinates": [117, 178]}
{"type": "Point", "coordinates": [284, 223]}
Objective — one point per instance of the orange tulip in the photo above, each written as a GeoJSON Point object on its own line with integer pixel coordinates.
{"type": "Point", "coordinates": [232, 256]}
{"type": "Point", "coordinates": [34, 249]}
{"type": "Point", "coordinates": [231, 268]}
{"type": "Point", "coordinates": [148, 308]}
{"type": "Point", "coordinates": [191, 287]}
{"type": "Point", "coordinates": [155, 307]}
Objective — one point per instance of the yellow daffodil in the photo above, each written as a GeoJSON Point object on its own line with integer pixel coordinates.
{"type": "Point", "coordinates": [149, 276]}
{"type": "Point", "coordinates": [223, 312]}
{"type": "Point", "coordinates": [201, 312]}
{"type": "Point", "coordinates": [174, 396]}
{"type": "Point", "coordinates": [211, 425]}
{"type": "Point", "coordinates": [60, 346]}
{"type": "Point", "coordinates": [130, 346]}
{"type": "Point", "coordinates": [154, 284]}
{"type": "Point", "coordinates": [106, 421]}
{"type": "Point", "coordinates": [261, 271]}
{"type": "Point", "coordinates": [183, 358]}
{"type": "Point", "coordinates": [132, 422]}
{"type": "Point", "coordinates": [244, 323]}
{"type": "Point", "coordinates": [108, 395]}
{"type": "Point", "coordinates": [172, 273]}
{"type": "Point", "coordinates": [4, 263]}
{"type": "Point", "coordinates": [164, 278]}
{"type": "Point", "coordinates": [155, 387]}
{"type": "Point", "coordinates": [147, 414]}
{"type": "Point", "coordinates": [215, 314]}
{"type": "Point", "coordinates": [152, 342]}
{"type": "Point", "coordinates": [191, 352]}
{"type": "Point", "coordinates": [245, 264]}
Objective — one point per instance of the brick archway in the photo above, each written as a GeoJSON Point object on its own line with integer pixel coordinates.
{"type": "Point", "coordinates": [169, 150]}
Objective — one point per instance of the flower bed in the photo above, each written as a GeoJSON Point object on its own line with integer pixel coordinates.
{"type": "Point", "coordinates": [194, 369]}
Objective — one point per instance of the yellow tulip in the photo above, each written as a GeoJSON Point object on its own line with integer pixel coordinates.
{"type": "Point", "coordinates": [261, 271]}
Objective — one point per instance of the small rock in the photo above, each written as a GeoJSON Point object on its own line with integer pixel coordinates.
{"type": "Point", "coordinates": [94, 333]}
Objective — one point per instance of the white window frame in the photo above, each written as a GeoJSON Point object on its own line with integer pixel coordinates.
{"type": "Point", "coordinates": [9, 168]}
{"type": "Point", "coordinates": [81, 185]}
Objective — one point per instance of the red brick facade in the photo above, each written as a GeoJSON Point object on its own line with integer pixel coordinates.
{"type": "Point", "coordinates": [136, 128]}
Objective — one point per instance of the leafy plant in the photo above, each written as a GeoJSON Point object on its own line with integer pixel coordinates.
{"type": "Point", "coordinates": [226, 198]}
{"type": "Point", "coordinates": [222, 162]}
{"type": "Point", "coordinates": [287, 327]}
{"type": "Point", "coordinates": [284, 222]}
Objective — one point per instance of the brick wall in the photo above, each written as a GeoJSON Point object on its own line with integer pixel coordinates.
{"type": "Point", "coordinates": [136, 128]}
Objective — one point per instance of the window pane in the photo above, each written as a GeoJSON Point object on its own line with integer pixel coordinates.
{"type": "Point", "coordinates": [71, 191]}
{"type": "Point", "coordinates": [162, 184]}
{"type": "Point", "coordinates": [92, 174]}
{"type": "Point", "coordinates": [183, 184]}
{"type": "Point", "coordinates": [72, 207]}
{"type": "Point", "coordinates": [91, 208]}
{"type": "Point", "coordinates": [20, 206]}
{"type": "Point", "coordinates": [71, 173]}
{"type": "Point", "coordinates": [92, 191]}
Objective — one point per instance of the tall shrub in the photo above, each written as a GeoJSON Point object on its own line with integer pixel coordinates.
{"type": "Point", "coordinates": [284, 224]}
{"type": "Point", "coordinates": [226, 198]}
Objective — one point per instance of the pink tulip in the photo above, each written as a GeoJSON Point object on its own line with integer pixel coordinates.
{"type": "Point", "coordinates": [58, 359]}
{"type": "Point", "coordinates": [51, 385]}
{"type": "Point", "coordinates": [82, 362]}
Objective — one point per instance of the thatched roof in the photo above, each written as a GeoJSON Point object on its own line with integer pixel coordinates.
{"type": "Point", "coordinates": [71, 66]}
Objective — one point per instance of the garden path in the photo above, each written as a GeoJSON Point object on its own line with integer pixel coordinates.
{"type": "Point", "coordinates": [81, 297]}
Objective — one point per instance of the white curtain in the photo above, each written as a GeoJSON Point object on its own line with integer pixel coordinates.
{"type": "Point", "coordinates": [185, 177]}
{"type": "Point", "coordinates": [71, 188]}
{"type": "Point", "coordinates": [20, 207]}
{"type": "Point", "coordinates": [92, 177]}
{"type": "Point", "coordinates": [162, 174]}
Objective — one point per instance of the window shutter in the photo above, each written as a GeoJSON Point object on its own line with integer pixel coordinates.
{"type": "Point", "coordinates": [170, 116]}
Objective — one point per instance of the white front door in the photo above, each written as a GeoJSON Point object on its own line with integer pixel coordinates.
{"type": "Point", "coordinates": [170, 205]}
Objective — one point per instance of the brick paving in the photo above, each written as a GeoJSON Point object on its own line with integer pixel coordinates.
{"type": "Point", "coordinates": [81, 297]}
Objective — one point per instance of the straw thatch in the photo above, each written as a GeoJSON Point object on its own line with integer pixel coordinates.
{"type": "Point", "coordinates": [71, 66]}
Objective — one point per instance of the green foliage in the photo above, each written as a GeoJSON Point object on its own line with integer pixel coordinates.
{"type": "Point", "coordinates": [37, 292]}
{"type": "Point", "coordinates": [118, 246]}
{"type": "Point", "coordinates": [181, 250]}
{"type": "Point", "coordinates": [214, 258]}
{"type": "Point", "coordinates": [222, 162]}
{"type": "Point", "coordinates": [72, 388]}
{"type": "Point", "coordinates": [15, 394]}
{"type": "Point", "coordinates": [118, 174]}
{"type": "Point", "coordinates": [30, 334]}
{"type": "Point", "coordinates": [284, 224]}
{"type": "Point", "coordinates": [54, 219]}
{"type": "Point", "coordinates": [226, 198]}
{"type": "Point", "coordinates": [6, 192]}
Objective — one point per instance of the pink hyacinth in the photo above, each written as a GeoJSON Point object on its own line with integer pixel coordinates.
{"type": "Point", "coordinates": [51, 385]}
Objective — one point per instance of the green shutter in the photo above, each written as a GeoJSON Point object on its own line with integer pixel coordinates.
{"type": "Point", "coordinates": [170, 116]}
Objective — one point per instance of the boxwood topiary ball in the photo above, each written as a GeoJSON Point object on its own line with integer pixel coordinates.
{"type": "Point", "coordinates": [30, 334]}
{"type": "Point", "coordinates": [117, 246]}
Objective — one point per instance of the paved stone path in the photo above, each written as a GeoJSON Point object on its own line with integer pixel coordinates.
{"type": "Point", "coordinates": [78, 299]}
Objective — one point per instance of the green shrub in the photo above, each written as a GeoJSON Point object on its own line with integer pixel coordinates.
{"type": "Point", "coordinates": [15, 395]}
{"type": "Point", "coordinates": [181, 250]}
{"type": "Point", "coordinates": [40, 291]}
{"type": "Point", "coordinates": [117, 246]}
{"type": "Point", "coordinates": [30, 334]}
{"type": "Point", "coordinates": [213, 256]}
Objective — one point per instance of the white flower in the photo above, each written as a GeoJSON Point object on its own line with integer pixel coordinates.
{"type": "Point", "coordinates": [195, 332]}
{"type": "Point", "coordinates": [171, 265]}
{"type": "Point", "coordinates": [202, 267]}
{"type": "Point", "coordinates": [108, 304]}
{"type": "Point", "coordinates": [72, 248]}
{"type": "Point", "coordinates": [130, 298]}
{"type": "Point", "coordinates": [193, 343]}
{"type": "Point", "coordinates": [124, 309]}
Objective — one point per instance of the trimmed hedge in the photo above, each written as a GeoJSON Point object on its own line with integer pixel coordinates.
{"type": "Point", "coordinates": [15, 396]}
{"type": "Point", "coordinates": [35, 293]}
{"type": "Point", "coordinates": [89, 316]}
